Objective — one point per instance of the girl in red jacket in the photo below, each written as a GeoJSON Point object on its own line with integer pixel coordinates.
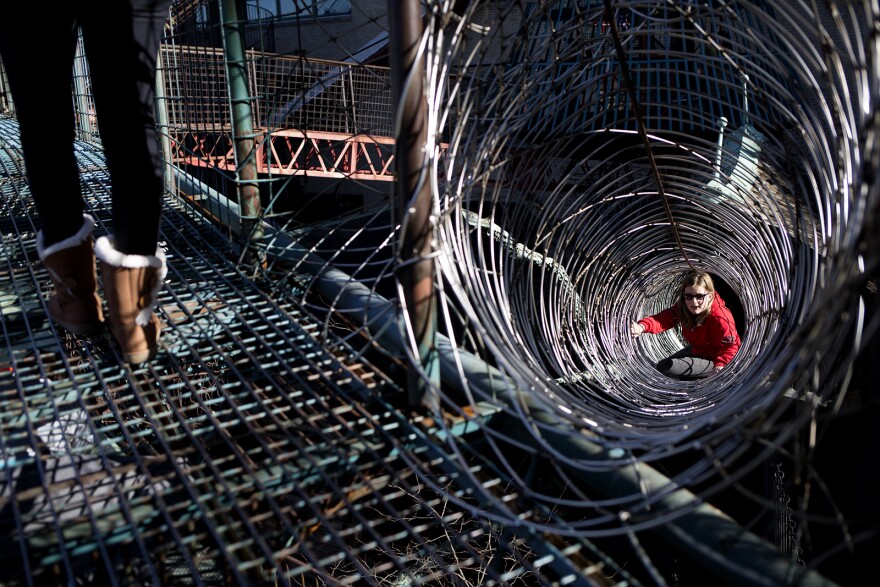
{"type": "Point", "coordinates": [706, 324]}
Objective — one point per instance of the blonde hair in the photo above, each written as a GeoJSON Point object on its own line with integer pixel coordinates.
{"type": "Point", "coordinates": [694, 279]}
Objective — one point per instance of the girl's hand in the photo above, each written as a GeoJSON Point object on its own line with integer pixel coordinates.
{"type": "Point", "coordinates": [717, 368]}
{"type": "Point", "coordinates": [636, 329]}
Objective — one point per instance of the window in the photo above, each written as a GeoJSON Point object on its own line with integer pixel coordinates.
{"type": "Point", "coordinates": [305, 8]}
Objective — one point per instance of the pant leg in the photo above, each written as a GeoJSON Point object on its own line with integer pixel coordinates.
{"type": "Point", "coordinates": [37, 45]}
{"type": "Point", "coordinates": [682, 365]}
{"type": "Point", "coordinates": [128, 32]}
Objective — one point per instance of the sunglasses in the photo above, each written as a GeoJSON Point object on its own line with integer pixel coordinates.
{"type": "Point", "coordinates": [698, 297]}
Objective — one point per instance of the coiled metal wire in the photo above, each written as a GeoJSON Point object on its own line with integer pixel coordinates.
{"type": "Point", "coordinates": [740, 140]}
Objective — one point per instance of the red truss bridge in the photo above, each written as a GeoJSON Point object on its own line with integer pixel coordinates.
{"type": "Point", "coordinates": [295, 152]}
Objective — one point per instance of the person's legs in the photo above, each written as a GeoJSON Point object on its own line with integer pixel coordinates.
{"type": "Point", "coordinates": [122, 42]}
{"type": "Point", "coordinates": [40, 75]}
{"type": "Point", "coordinates": [128, 33]}
{"type": "Point", "coordinates": [39, 71]}
{"type": "Point", "coordinates": [682, 365]}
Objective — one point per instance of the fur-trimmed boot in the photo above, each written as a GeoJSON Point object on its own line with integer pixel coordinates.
{"type": "Point", "coordinates": [131, 287]}
{"type": "Point", "coordinates": [74, 303]}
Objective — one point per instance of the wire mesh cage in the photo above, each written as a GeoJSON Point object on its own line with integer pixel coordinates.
{"type": "Point", "coordinates": [578, 155]}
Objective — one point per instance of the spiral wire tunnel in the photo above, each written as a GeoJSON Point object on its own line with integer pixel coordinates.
{"type": "Point", "coordinates": [582, 155]}
{"type": "Point", "coordinates": [609, 148]}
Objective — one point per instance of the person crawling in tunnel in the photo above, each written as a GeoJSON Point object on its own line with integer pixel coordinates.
{"type": "Point", "coordinates": [706, 324]}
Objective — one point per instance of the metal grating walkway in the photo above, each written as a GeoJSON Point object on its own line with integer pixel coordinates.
{"type": "Point", "coordinates": [253, 450]}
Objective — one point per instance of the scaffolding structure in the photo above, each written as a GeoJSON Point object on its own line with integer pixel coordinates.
{"type": "Point", "coordinates": [277, 439]}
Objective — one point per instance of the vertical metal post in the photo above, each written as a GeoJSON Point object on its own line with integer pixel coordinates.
{"type": "Point", "coordinates": [86, 126]}
{"type": "Point", "coordinates": [162, 123]}
{"type": "Point", "coordinates": [722, 123]}
{"type": "Point", "coordinates": [5, 97]}
{"type": "Point", "coordinates": [412, 190]}
{"type": "Point", "coordinates": [242, 125]}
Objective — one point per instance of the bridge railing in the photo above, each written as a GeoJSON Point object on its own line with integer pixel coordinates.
{"type": "Point", "coordinates": [288, 92]}
{"type": "Point", "coordinates": [318, 117]}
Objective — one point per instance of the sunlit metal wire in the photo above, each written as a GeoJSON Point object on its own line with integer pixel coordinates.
{"type": "Point", "coordinates": [554, 236]}
{"type": "Point", "coordinates": [270, 441]}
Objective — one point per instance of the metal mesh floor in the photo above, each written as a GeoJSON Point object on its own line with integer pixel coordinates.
{"type": "Point", "coordinates": [594, 150]}
{"type": "Point", "coordinates": [255, 449]}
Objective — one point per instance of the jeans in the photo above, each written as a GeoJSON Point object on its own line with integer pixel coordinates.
{"type": "Point", "coordinates": [682, 365]}
{"type": "Point", "coordinates": [37, 45]}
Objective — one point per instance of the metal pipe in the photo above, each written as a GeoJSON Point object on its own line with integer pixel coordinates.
{"type": "Point", "coordinates": [722, 123]}
{"type": "Point", "coordinates": [162, 124]}
{"type": "Point", "coordinates": [413, 192]}
{"type": "Point", "coordinates": [86, 121]}
{"type": "Point", "coordinates": [242, 123]}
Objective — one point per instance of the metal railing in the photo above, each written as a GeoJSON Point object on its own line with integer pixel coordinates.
{"type": "Point", "coordinates": [317, 117]}
{"type": "Point", "coordinates": [288, 93]}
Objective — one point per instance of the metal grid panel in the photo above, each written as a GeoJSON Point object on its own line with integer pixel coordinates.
{"type": "Point", "coordinates": [289, 92]}
{"type": "Point", "coordinates": [255, 449]}
{"type": "Point", "coordinates": [324, 95]}
{"type": "Point", "coordinates": [195, 90]}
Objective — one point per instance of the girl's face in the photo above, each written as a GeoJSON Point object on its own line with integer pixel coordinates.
{"type": "Point", "coordinates": [697, 298]}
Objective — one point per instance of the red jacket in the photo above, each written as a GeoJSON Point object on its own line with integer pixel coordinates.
{"type": "Point", "coordinates": [715, 339]}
